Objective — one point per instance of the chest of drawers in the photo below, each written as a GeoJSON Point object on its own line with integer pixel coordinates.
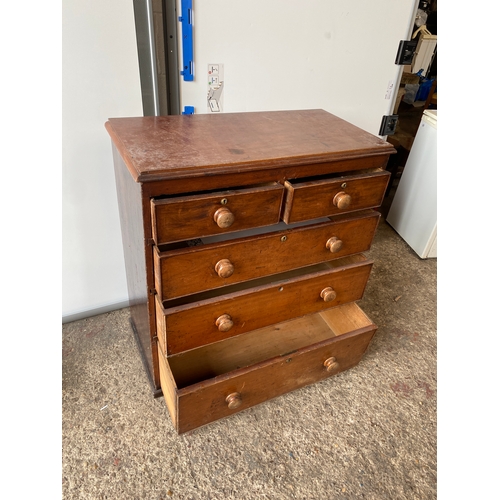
{"type": "Point", "coordinates": [243, 236]}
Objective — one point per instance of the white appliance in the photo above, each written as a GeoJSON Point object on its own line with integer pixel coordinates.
{"type": "Point", "coordinates": [413, 212]}
{"type": "Point", "coordinates": [294, 54]}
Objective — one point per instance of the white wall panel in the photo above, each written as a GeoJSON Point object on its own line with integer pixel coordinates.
{"type": "Point", "coordinates": [337, 55]}
{"type": "Point", "coordinates": [100, 80]}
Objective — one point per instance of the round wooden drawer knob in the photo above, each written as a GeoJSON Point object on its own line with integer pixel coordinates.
{"type": "Point", "coordinates": [331, 364]}
{"type": "Point", "coordinates": [224, 268]}
{"type": "Point", "coordinates": [224, 217]}
{"type": "Point", "coordinates": [328, 294]}
{"type": "Point", "coordinates": [233, 400]}
{"type": "Point", "coordinates": [342, 200]}
{"type": "Point", "coordinates": [224, 323]}
{"type": "Point", "coordinates": [334, 244]}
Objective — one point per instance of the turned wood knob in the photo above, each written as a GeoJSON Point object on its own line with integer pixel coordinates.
{"type": "Point", "coordinates": [224, 217]}
{"type": "Point", "coordinates": [342, 200]}
{"type": "Point", "coordinates": [224, 323]}
{"type": "Point", "coordinates": [233, 400]}
{"type": "Point", "coordinates": [331, 364]}
{"type": "Point", "coordinates": [224, 268]}
{"type": "Point", "coordinates": [328, 294]}
{"type": "Point", "coordinates": [334, 244]}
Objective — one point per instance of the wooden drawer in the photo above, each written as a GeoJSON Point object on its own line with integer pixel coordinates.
{"type": "Point", "coordinates": [215, 381]}
{"type": "Point", "coordinates": [186, 217]}
{"type": "Point", "coordinates": [209, 317]}
{"type": "Point", "coordinates": [209, 266]}
{"type": "Point", "coordinates": [325, 197]}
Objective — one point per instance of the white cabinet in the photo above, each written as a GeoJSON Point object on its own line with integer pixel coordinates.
{"type": "Point", "coordinates": [413, 212]}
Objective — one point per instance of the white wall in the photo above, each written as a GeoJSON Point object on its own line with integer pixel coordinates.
{"type": "Point", "coordinates": [292, 54]}
{"type": "Point", "coordinates": [100, 78]}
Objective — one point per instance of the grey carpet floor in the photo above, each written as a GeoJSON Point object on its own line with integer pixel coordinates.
{"type": "Point", "coordinates": [369, 432]}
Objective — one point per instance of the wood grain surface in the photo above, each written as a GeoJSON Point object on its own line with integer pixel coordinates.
{"type": "Point", "coordinates": [191, 270]}
{"type": "Point", "coordinates": [179, 146]}
{"type": "Point", "coordinates": [135, 230]}
{"type": "Point", "coordinates": [261, 365]}
{"type": "Point", "coordinates": [314, 198]}
{"type": "Point", "coordinates": [186, 217]}
{"type": "Point", "coordinates": [194, 324]}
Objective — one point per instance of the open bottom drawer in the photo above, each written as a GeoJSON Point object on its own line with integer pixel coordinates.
{"type": "Point", "coordinates": [217, 380]}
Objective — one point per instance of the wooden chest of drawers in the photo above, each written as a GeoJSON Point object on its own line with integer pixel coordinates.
{"type": "Point", "coordinates": [243, 236]}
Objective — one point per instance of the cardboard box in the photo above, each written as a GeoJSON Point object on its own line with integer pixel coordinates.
{"type": "Point", "coordinates": [408, 77]}
{"type": "Point", "coordinates": [401, 93]}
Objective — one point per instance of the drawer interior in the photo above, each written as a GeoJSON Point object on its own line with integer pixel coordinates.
{"type": "Point", "coordinates": [318, 179]}
{"type": "Point", "coordinates": [222, 357]}
{"type": "Point", "coordinates": [335, 175]}
{"type": "Point", "coordinates": [248, 233]}
{"type": "Point", "coordinates": [218, 191]}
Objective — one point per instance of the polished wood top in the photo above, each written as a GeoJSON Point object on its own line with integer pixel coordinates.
{"type": "Point", "coordinates": [182, 146]}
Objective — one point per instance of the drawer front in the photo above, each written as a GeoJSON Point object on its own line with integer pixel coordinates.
{"type": "Point", "coordinates": [192, 270]}
{"type": "Point", "coordinates": [204, 322]}
{"type": "Point", "coordinates": [323, 198]}
{"type": "Point", "coordinates": [227, 394]}
{"type": "Point", "coordinates": [195, 216]}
